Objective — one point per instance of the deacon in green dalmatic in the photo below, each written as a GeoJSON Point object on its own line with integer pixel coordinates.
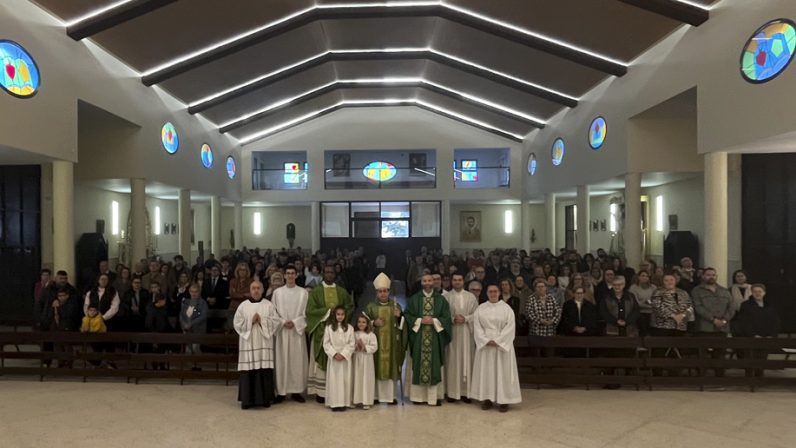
{"type": "Point", "coordinates": [428, 316]}
{"type": "Point", "coordinates": [385, 314]}
{"type": "Point", "coordinates": [322, 300]}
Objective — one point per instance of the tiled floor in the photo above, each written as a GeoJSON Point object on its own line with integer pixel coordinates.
{"type": "Point", "coordinates": [105, 414]}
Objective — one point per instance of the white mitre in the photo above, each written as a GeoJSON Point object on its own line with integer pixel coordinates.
{"type": "Point", "coordinates": [381, 281]}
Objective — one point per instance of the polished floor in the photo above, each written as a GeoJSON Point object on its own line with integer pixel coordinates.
{"type": "Point", "coordinates": [111, 414]}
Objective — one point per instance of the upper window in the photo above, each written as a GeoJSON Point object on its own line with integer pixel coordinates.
{"type": "Point", "coordinates": [231, 167]}
{"type": "Point", "coordinates": [379, 171]}
{"type": "Point", "coordinates": [597, 132]}
{"type": "Point", "coordinates": [557, 151]}
{"type": "Point", "coordinates": [469, 171]}
{"type": "Point", "coordinates": [768, 51]}
{"type": "Point", "coordinates": [170, 138]}
{"type": "Point", "coordinates": [207, 156]}
{"type": "Point", "coordinates": [292, 173]}
{"type": "Point", "coordinates": [532, 164]}
{"type": "Point", "coordinates": [20, 72]}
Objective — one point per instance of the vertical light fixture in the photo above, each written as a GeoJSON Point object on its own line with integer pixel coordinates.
{"type": "Point", "coordinates": [157, 220]}
{"type": "Point", "coordinates": [508, 221]}
{"type": "Point", "coordinates": [613, 211]}
{"type": "Point", "coordinates": [114, 218]}
{"type": "Point", "coordinates": [659, 213]}
{"type": "Point", "coordinates": [575, 216]}
{"type": "Point", "coordinates": [258, 223]}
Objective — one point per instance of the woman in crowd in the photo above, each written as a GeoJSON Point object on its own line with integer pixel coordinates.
{"type": "Point", "coordinates": [239, 286]}
{"type": "Point", "coordinates": [122, 281]}
{"type": "Point", "coordinates": [741, 290]}
{"type": "Point", "coordinates": [509, 295]}
{"type": "Point", "coordinates": [578, 281]}
{"type": "Point", "coordinates": [642, 288]}
{"type": "Point", "coordinates": [276, 281]}
{"type": "Point", "coordinates": [563, 276]}
{"type": "Point", "coordinates": [757, 319]}
{"type": "Point", "coordinates": [579, 316]}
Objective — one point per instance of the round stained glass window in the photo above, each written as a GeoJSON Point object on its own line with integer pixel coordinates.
{"type": "Point", "coordinates": [207, 156]}
{"type": "Point", "coordinates": [379, 171]}
{"type": "Point", "coordinates": [532, 164]}
{"type": "Point", "coordinates": [20, 72]}
{"type": "Point", "coordinates": [170, 138]}
{"type": "Point", "coordinates": [597, 132]}
{"type": "Point", "coordinates": [231, 167]}
{"type": "Point", "coordinates": [557, 151]}
{"type": "Point", "coordinates": [768, 51]}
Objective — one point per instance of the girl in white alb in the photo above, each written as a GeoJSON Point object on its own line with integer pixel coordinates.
{"type": "Point", "coordinates": [365, 346]}
{"type": "Point", "coordinates": [338, 343]}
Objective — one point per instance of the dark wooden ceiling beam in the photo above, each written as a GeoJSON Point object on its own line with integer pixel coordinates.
{"type": "Point", "coordinates": [361, 85]}
{"type": "Point", "coordinates": [114, 17]}
{"type": "Point", "coordinates": [401, 56]}
{"type": "Point", "coordinates": [682, 12]}
{"type": "Point", "coordinates": [440, 11]}
{"type": "Point", "coordinates": [406, 103]}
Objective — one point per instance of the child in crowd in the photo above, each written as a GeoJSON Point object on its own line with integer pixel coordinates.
{"type": "Point", "coordinates": [338, 343]}
{"type": "Point", "coordinates": [364, 373]}
{"type": "Point", "coordinates": [93, 322]}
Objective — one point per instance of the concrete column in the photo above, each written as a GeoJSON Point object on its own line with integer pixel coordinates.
{"type": "Point", "coordinates": [550, 220]}
{"type": "Point", "coordinates": [63, 217]}
{"type": "Point", "coordinates": [215, 226]}
{"type": "Point", "coordinates": [633, 219]}
{"type": "Point", "coordinates": [525, 225]}
{"type": "Point", "coordinates": [137, 236]}
{"type": "Point", "coordinates": [315, 226]}
{"type": "Point", "coordinates": [184, 224]}
{"type": "Point", "coordinates": [715, 234]}
{"type": "Point", "coordinates": [238, 225]}
{"type": "Point", "coordinates": [584, 220]}
{"type": "Point", "coordinates": [445, 225]}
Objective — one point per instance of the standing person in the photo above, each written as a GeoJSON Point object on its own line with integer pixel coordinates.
{"type": "Point", "coordinates": [495, 375]}
{"type": "Point", "coordinates": [388, 325]}
{"type": "Point", "coordinates": [714, 309]}
{"type": "Point", "coordinates": [642, 289]}
{"type": "Point", "coordinates": [239, 286]}
{"type": "Point", "coordinates": [619, 310]}
{"type": "Point", "coordinates": [671, 312]}
{"type": "Point", "coordinates": [544, 315]}
{"type": "Point", "coordinates": [338, 344]}
{"type": "Point", "coordinates": [321, 301]}
{"type": "Point", "coordinates": [256, 322]}
{"type": "Point", "coordinates": [459, 353]}
{"type": "Point", "coordinates": [104, 298]}
{"type": "Point", "coordinates": [364, 373]}
{"type": "Point", "coordinates": [193, 316]}
{"type": "Point", "coordinates": [579, 316]}
{"type": "Point", "coordinates": [290, 302]}
{"type": "Point", "coordinates": [757, 319]}
{"type": "Point", "coordinates": [133, 306]}
{"type": "Point", "coordinates": [428, 313]}
{"type": "Point", "coordinates": [216, 289]}
{"type": "Point", "coordinates": [62, 314]}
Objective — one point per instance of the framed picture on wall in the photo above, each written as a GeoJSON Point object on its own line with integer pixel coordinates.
{"type": "Point", "coordinates": [470, 226]}
{"type": "Point", "coordinates": [341, 165]}
{"type": "Point", "coordinates": [173, 228]}
{"type": "Point", "coordinates": [166, 228]}
{"type": "Point", "coordinates": [602, 225]}
{"type": "Point", "coordinates": [417, 164]}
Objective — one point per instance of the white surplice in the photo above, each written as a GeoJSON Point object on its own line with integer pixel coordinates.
{"type": "Point", "coordinates": [338, 373]}
{"type": "Point", "coordinates": [291, 345]}
{"type": "Point", "coordinates": [495, 375]}
{"type": "Point", "coordinates": [459, 353]}
{"type": "Point", "coordinates": [256, 342]}
{"type": "Point", "coordinates": [364, 372]}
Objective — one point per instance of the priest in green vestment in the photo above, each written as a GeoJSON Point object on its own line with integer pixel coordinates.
{"type": "Point", "coordinates": [322, 300]}
{"type": "Point", "coordinates": [428, 317]}
{"type": "Point", "coordinates": [388, 325]}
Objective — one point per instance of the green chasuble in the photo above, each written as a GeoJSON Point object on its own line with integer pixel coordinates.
{"type": "Point", "coordinates": [427, 346]}
{"type": "Point", "coordinates": [319, 302]}
{"type": "Point", "coordinates": [389, 357]}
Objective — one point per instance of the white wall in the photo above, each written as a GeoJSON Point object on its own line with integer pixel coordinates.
{"type": "Point", "coordinates": [492, 229]}
{"type": "Point", "coordinates": [599, 209]}
{"type": "Point", "coordinates": [94, 204]}
{"type": "Point", "coordinates": [274, 222]}
{"type": "Point", "coordinates": [684, 199]}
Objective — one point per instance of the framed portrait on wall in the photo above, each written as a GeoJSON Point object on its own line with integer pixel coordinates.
{"type": "Point", "coordinates": [470, 226]}
{"type": "Point", "coordinates": [417, 161]}
{"type": "Point", "coordinates": [341, 165]}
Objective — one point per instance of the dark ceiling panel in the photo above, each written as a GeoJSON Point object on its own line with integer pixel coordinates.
{"type": "Point", "coordinates": [380, 32]}
{"type": "Point", "coordinates": [69, 10]}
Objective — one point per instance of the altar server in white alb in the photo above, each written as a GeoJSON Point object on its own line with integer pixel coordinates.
{"type": "Point", "coordinates": [495, 377]}
{"type": "Point", "coordinates": [459, 353]}
{"type": "Point", "coordinates": [256, 322]}
{"type": "Point", "coordinates": [290, 302]}
{"type": "Point", "coordinates": [338, 344]}
{"type": "Point", "coordinates": [365, 346]}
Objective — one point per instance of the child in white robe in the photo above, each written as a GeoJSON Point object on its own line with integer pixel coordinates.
{"type": "Point", "coordinates": [338, 343]}
{"type": "Point", "coordinates": [364, 372]}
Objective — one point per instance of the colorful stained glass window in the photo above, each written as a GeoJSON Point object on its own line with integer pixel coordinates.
{"type": "Point", "coordinates": [768, 51]}
{"type": "Point", "coordinates": [292, 173]}
{"type": "Point", "coordinates": [469, 171]}
{"type": "Point", "coordinates": [597, 132]}
{"type": "Point", "coordinates": [207, 156]}
{"type": "Point", "coordinates": [532, 164]}
{"type": "Point", "coordinates": [20, 72]}
{"type": "Point", "coordinates": [379, 171]}
{"type": "Point", "coordinates": [557, 151]}
{"type": "Point", "coordinates": [170, 138]}
{"type": "Point", "coordinates": [231, 167]}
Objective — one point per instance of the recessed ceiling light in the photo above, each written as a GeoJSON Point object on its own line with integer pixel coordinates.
{"type": "Point", "coordinates": [95, 12]}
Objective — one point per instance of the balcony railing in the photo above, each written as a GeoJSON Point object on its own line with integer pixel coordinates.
{"type": "Point", "coordinates": [278, 179]}
{"type": "Point", "coordinates": [483, 177]}
{"type": "Point", "coordinates": [404, 178]}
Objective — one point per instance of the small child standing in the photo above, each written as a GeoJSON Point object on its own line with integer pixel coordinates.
{"type": "Point", "coordinates": [93, 322]}
{"type": "Point", "coordinates": [338, 343]}
{"type": "Point", "coordinates": [364, 373]}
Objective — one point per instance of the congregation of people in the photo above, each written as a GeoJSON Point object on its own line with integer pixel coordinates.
{"type": "Point", "coordinates": [304, 328]}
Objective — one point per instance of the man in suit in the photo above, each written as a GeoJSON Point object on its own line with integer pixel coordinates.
{"type": "Point", "coordinates": [216, 289]}
{"type": "Point", "coordinates": [579, 316]}
{"type": "Point", "coordinates": [132, 309]}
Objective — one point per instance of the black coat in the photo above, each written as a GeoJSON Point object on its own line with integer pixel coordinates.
{"type": "Point", "coordinates": [587, 318]}
{"type": "Point", "coordinates": [70, 315]}
{"type": "Point", "coordinates": [220, 292]}
{"type": "Point", "coordinates": [754, 320]}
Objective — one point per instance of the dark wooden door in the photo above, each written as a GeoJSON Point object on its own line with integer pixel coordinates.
{"type": "Point", "coordinates": [20, 247]}
{"type": "Point", "coordinates": [569, 228]}
{"type": "Point", "coordinates": [769, 229]}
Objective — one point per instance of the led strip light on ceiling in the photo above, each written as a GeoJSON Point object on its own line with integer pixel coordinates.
{"type": "Point", "coordinates": [381, 82]}
{"type": "Point", "coordinates": [95, 12]}
{"type": "Point", "coordinates": [383, 102]}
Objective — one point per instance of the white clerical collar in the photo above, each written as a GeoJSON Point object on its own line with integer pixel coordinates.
{"type": "Point", "coordinates": [326, 285]}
